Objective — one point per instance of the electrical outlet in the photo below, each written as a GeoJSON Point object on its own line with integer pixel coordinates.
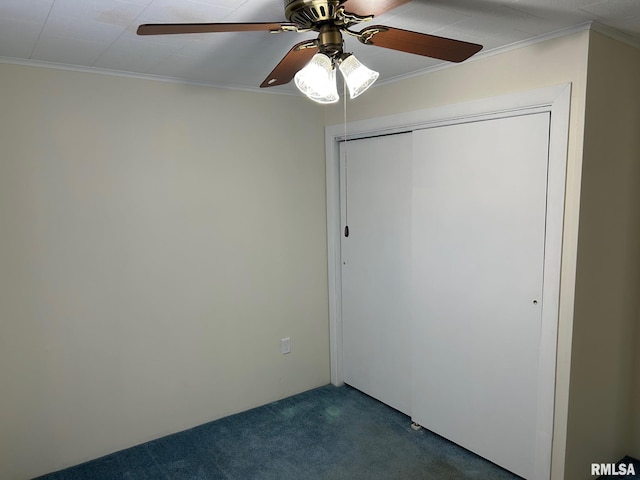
{"type": "Point", "coordinates": [285, 345]}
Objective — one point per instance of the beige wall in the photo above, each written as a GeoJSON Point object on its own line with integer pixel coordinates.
{"type": "Point", "coordinates": [602, 415]}
{"type": "Point", "coordinates": [554, 62]}
{"type": "Point", "coordinates": [157, 242]}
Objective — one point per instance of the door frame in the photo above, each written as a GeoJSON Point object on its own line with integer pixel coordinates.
{"type": "Point", "coordinates": [556, 101]}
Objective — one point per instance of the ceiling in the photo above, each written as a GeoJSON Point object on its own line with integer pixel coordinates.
{"type": "Point", "coordinates": [100, 34]}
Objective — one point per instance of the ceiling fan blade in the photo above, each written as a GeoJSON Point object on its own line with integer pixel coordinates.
{"type": "Point", "coordinates": [364, 8]}
{"type": "Point", "coordinates": [294, 60]}
{"type": "Point", "coordinates": [419, 43]}
{"type": "Point", "coordinates": [179, 28]}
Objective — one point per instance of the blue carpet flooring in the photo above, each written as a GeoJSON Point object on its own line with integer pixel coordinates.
{"type": "Point", "coordinates": [329, 433]}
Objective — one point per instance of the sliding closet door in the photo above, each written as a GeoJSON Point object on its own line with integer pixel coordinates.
{"type": "Point", "coordinates": [376, 301]}
{"type": "Point", "coordinates": [478, 222]}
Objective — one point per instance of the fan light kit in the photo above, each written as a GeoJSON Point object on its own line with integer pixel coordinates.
{"type": "Point", "coordinates": [357, 77]}
{"type": "Point", "coordinates": [317, 80]}
{"type": "Point", "coordinates": [312, 63]}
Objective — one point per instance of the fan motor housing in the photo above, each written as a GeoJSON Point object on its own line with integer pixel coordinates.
{"type": "Point", "coordinates": [310, 13]}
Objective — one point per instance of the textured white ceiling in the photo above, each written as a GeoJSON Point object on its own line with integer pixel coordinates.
{"type": "Point", "coordinates": [101, 33]}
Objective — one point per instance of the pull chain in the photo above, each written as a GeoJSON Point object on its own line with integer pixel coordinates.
{"type": "Point", "coordinates": [346, 170]}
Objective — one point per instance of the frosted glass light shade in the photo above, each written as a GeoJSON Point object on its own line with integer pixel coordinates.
{"type": "Point", "coordinates": [317, 80]}
{"type": "Point", "coordinates": [357, 77]}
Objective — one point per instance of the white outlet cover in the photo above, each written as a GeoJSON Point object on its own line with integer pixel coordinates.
{"type": "Point", "coordinates": [285, 345]}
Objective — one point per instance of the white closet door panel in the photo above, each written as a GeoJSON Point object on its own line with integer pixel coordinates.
{"type": "Point", "coordinates": [479, 200]}
{"type": "Point", "coordinates": [376, 297]}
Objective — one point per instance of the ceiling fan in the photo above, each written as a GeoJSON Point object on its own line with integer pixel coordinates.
{"type": "Point", "coordinates": [331, 18]}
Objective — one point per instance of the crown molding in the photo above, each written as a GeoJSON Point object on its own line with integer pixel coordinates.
{"type": "Point", "coordinates": [139, 76]}
{"type": "Point", "coordinates": [494, 51]}
{"type": "Point", "coordinates": [592, 26]}
{"type": "Point", "coordinates": [615, 34]}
